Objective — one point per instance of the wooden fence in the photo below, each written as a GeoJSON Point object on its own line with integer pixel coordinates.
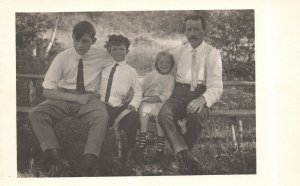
{"type": "Point", "coordinates": [235, 114]}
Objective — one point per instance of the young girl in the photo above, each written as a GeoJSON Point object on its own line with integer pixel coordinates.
{"type": "Point", "coordinates": [157, 87]}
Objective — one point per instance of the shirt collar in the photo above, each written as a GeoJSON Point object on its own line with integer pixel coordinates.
{"type": "Point", "coordinates": [198, 48]}
{"type": "Point", "coordinates": [81, 56]}
{"type": "Point", "coordinates": [121, 63]}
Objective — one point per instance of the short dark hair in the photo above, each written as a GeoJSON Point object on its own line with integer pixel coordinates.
{"type": "Point", "coordinates": [196, 17]}
{"type": "Point", "coordinates": [161, 54]}
{"type": "Point", "coordinates": [84, 27]}
{"type": "Point", "coordinates": [117, 40]}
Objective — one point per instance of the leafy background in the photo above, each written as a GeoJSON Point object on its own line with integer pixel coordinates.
{"type": "Point", "coordinates": [231, 31]}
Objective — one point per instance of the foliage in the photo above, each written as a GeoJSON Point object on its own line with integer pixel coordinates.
{"type": "Point", "coordinates": [231, 31]}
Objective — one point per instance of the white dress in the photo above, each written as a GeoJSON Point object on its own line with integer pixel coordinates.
{"type": "Point", "coordinates": [156, 84]}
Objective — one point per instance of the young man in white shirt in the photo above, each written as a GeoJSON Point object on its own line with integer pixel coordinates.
{"type": "Point", "coordinates": [70, 86]}
{"type": "Point", "coordinates": [198, 72]}
{"type": "Point", "coordinates": [117, 81]}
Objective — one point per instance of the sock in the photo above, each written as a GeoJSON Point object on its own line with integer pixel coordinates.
{"type": "Point", "coordinates": [142, 140]}
{"type": "Point", "coordinates": [160, 143]}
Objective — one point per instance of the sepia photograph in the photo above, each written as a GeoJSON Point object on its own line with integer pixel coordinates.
{"type": "Point", "coordinates": [135, 93]}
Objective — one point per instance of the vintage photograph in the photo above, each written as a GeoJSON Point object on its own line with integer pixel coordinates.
{"type": "Point", "coordinates": [135, 93]}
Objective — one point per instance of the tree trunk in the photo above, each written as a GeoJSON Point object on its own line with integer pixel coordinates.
{"type": "Point", "coordinates": [52, 37]}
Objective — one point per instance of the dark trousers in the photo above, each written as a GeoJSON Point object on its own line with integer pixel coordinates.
{"type": "Point", "coordinates": [175, 109]}
{"type": "Point", "coordinates": [128, 123]}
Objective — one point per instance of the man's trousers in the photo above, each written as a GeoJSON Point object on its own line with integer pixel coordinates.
{"type": "Point", "coordinates": [175, 109]}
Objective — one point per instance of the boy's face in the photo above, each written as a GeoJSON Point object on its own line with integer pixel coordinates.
{"type": "Point", "coordinates": [118, 52]}
{"type": "Point", "coordinates": [83, 44]}
{"type": "Point", "coordinates": [164, 64]}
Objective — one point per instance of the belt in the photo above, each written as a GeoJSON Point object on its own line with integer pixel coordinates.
{"type": "Point", "coordinates": [73, 91]}
{"type": "Point", "coordinates": [186, 84]}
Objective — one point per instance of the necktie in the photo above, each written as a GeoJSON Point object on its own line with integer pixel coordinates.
{"type": "Point", "coordinates": [194, 70]}
{"type": "Point", "coordinates": [109, 83]}
{"type": "Point", "coordinates": [80, 80]}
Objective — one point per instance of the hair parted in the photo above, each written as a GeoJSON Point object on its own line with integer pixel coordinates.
{"type": "Point", "coordinates": [196, 17]}
{"type": "Point", "coordinates": [84, 27]}
{"type": "Point", "coordinates": [117, 40]}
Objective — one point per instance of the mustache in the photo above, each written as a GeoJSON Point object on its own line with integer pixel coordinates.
{"type": "Point", "coordinates": [193, 37]}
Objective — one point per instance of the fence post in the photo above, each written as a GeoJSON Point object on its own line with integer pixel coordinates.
{"type": "Point", "coordinates": [32, 92]}
{"type": "Point", "coordinates": [233, 135]}
{"type": "Point", "coordinates": [240, 124]}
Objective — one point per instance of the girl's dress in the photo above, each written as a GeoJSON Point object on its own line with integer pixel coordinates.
{"type": "Point", "coordinates": [156, 84]}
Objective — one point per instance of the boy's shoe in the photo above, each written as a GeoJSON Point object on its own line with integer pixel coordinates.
{"type": "Point", "coordinates": [88, 165]}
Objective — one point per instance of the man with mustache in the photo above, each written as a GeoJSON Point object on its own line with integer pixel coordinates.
{"type": "Point", "coordinates": [198, 85]}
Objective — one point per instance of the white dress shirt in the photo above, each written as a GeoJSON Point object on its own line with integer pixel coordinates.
{"type": "Point", "coordinates": [210, 72]}
{"type": "Point", "coordinates": [62, 73]}
{"type": "Point", "coordinates": [125, 77]}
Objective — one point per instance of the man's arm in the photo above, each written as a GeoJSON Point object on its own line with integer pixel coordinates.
{"type": "Point", "coordinates": [64, 96]}
{"type": "Point", "coordinates": [59, 95]}
{"type": "Point", "coordinates": [214, 84]}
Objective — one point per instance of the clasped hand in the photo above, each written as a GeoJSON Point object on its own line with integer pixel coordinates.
{"type": "Point", "coordinates": [83, 99]}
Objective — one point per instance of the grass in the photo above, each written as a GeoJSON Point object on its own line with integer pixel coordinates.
{"type": "Point", "coordinates": [215, 148]}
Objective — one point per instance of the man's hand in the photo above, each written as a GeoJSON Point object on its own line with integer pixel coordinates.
{"type": "Point", "coordinates": [196, 105]}
{"type": "Point", "coordinates": [152, 99]}
{"type": "Point", "coordinates": [131, 107]}
{"type": "Point", "coordinates": [83, 99]}
{"type": "Point", "coordinates": [128, 96]}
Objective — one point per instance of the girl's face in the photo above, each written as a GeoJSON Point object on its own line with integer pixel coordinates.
{"type": "Point", "coordinates": [164, 64]}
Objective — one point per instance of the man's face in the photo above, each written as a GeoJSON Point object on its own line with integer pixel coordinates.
{"type": "Point", "coordinates": [118, 52]}
{"type": "Point", "coordinates": [194, 32]}
{"type": "Point", "coordinates": [83, 44]}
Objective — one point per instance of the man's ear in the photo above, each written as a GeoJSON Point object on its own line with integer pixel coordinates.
{"type": "Point", "coordinates": [108, 48]}
{"type": "Point", "coordinates": [94, 40]}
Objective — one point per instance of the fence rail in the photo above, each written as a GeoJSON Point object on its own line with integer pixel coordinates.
{"type": "Point", "coordinates": [236, 115]}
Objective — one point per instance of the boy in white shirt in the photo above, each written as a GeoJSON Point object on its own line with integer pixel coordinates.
{"type": "Point", "coordinates": [117, 80]}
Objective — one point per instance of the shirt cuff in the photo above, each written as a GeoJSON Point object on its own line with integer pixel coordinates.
{"type": "Point", "coordinates": [49, 85]}
{"type": "Point", "coordinates": [208, 101]}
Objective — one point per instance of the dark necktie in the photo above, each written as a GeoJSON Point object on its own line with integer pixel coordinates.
{"type": "Point", "coordinates": [80, 80]}
{"type": "Point", "coordinates": [109, 83]}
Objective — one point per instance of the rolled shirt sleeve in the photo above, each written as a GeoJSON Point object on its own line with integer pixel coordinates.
{"type": "Point", "coordinates": [54, 74]}
{"type": "Point", "coordinates": [214, 84]}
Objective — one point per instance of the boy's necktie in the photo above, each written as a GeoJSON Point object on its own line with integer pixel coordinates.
{"type": "Point", "coordinates": [109, 83]}
{"type": "Point", "coordinates": [80, 80]}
